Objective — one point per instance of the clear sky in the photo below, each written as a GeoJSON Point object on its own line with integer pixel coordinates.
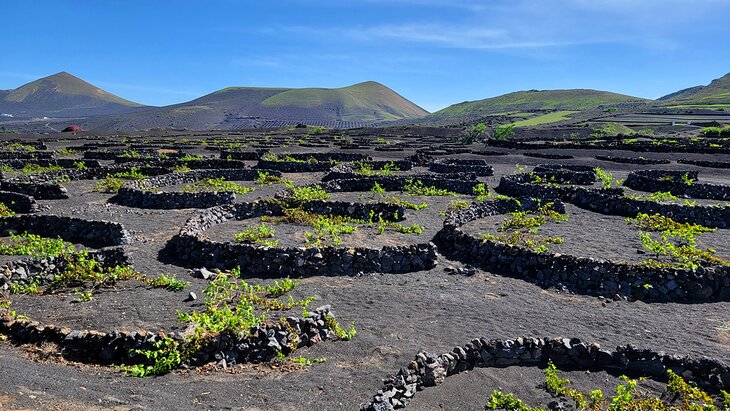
{"type": "Point", "coordinates": [433, 52]}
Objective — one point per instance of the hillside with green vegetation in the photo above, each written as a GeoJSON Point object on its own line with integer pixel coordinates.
{"type": "Point", "coordinates": [233, 107]}
{"type": "Point", "coordinates": [62, 95]}
{"type": "Point", "coordinates": [714, 95]}
{"type": "Point", "coordinates": [533, 100]}
{"type": "Point", "coordinates": [368, 101]}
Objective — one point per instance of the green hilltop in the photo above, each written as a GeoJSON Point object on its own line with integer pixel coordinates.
{"type": "Point", "coordinates": [534, 100]}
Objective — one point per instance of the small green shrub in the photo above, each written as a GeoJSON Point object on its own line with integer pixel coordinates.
{"type": "Point", "coordinates": [216, 184]}
{"type": "Point", "coordinates": [257, 235]}
{"type": "Point", "coordinates": [417, 188]}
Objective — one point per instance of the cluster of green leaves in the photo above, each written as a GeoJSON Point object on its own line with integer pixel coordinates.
{"type": "Point", "coordinates": [216, 184]}
{"type": "Point", "coordinates": [341, 333]}
{"type": "Point", "coordinates": [328, 228]}
{"type": "Point", "coordinates": [381, 225]}
{"type": "Point", "coordinates": [503, 132]}
{"type": "Point", "coordinates": [560, 387]}
{"type": "Point", "coordinates": [20, 147]}
{"type": "Point", "coordinates": [483, 193]}
{"type": "Point", "coordinates": [33, 168]}
{"type": "Point", "coordinates": [545, 181]}
{"type": "Point", "coordinates": [677, 242]}
{"type": "Point", "coordinates": [662, 197]}
{"type": "Point", "coordinates": [682, 256]}
{"type": "Point", "coordinates": [679, 396]}
{"type": "Point", "coordinates": [64, 151]}
{"type": "Point", "coordinates": [80, 270]}
{"type": "Point", "coordinates": [315, 130]}
{"type": "Point", "coordinates": [285, 157]}
{"type": "Point", "coordinates": [378, 191]}
{"type": "Point", "coordinates": [531, 220]}
{"type": "Point", "coordinates": [167, 282]}
{"type": "Point", "coordinates": [417, 188]}
{"type": "Point", "coordinates": [265, 179]}
{"type": "Point", "coordinates": [258, 235]}
{"type": "Point", "coordinates": [165, 355]}
{"type": "Point", "coordinates": [716, 131]}
{"type": "Point", "coordinates": [190, 157]}
{"type": "Point", "coordinates": [306, 362]}
{"type": "Point", "coordinates": [606, 179]}
{"type": "Point", "coordinates": [232, 307]}
{"type": "Point", "coordinates": [524, 240]}
{"type": "Point", "coordinates": [35, 246]}
{"type": "Point", "coordinates": [298, 195]}
{"type": "Point", "coordinates": [109, 185]}
{"type": "Point", "coordinates": [520, 229]}
{"type": "Point", "coordinates": [472, 134]}
{"type": "Point", "coordinates": [181, 168]}
{"type": "Point", "coordinates": [686, 180]}
{"type": "Point", "coordinates": [5, 211]}
{"type": "Point", "coordinates": [113, 182]}
{"type": "Point", "coordinates": [365, 169]}
{"type": "Point", "coordinates": [686, 232]}
{"type": "Point", "coordinates": [80, 165]}
{"type": "Point", "coordinates": [131, 154]}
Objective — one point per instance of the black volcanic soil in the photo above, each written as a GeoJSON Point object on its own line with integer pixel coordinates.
{"type": "Point", "coordinates": [396, 315]}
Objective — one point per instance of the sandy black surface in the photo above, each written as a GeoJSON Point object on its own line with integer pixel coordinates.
{"type": "Point", "coordinates": [396, 315]}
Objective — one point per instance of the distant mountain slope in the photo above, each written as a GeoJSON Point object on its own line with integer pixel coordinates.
{"type": "Point", "coordinates": [368, 102]}
{"type": "Point", "coordinates": [717, 92]}
{"type": "Point", "coordinates": [531, 100]}
{"type": "Point", "coordinates": [62, 95]}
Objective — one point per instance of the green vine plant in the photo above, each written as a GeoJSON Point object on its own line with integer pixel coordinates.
{"type": "Point", "coordinates": [113, 182]}
{"type": "Point", "coordinates": [417, 188]}
{"type": "Point", "coordinates": [365, 169]}
{"type": "Point", "coordinates": [378, 192]}
{"type": "Point", "coordinates": [231, 307]}
{"type": "Point", "coordinates": [606, 179]}
{"type": "Point", "coordinates": [216, 184]}
{"type": "Point", "coordinates": [258, 235]}
{"type": "Point", "coordinates": [677, 243]}
{"type": "Point", "coordinates": [81, 272]}
{"type": "Point", "coordinates": [483, 193]}
{"type": "Point", "coordinates": [520, 229]}
{"type": "Point", "coordinates": [679, 396]}
{"type": "Point", "coordinates": [265, 178]}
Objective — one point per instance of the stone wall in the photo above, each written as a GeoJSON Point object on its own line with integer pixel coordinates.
{"type": "Point", "coordinates": [91, 233]}
{"type": "Point", "coordinates": [19, 203]}
{"type": "Point", "coordinates": [428, 370]}
{"type": "Point", "coordinates": [193, 248]}
{"type": "Point", "coordinates": [143, 194]}
{"type": "Point", "coordinates": [396, 183]}
{"type": "Point", "coordinates": [458, 165]}
{"type": "Point", "coordinates": [673, 182]}
{"type": "Point", "coordinates": [117, 347]}
{"type": "Point", "coordinates": [40, 190]}
{"type": "Point", "coordinates": [42, 270]}
{"type": "Point", "coordinates": [578, 274]}
{"type": "Point", "coordinates": [632, 160]}
{"type": "Point", "coordinates": [612, 201]}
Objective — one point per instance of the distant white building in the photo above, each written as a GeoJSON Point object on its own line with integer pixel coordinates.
{"type": "Point", "coordinates": [5, 115]}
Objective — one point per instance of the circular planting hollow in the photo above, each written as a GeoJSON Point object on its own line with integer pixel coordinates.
{"type": "Point", "coordinates": [193, 247]}
{"type": "Point", "coordinates": [199, 189]}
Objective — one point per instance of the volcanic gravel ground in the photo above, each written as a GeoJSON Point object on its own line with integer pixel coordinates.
{"type": "Point", "coordinates": [523, 382]}
{"type": "Point", "coordinates": [396, 315]}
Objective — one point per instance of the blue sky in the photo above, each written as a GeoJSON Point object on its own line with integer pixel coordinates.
{"type": "Point", "coordinates": [434, 52]}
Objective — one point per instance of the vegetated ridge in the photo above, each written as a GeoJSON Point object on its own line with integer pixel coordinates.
{"type": "Point", "coordinates": [239, 107]}
{"type": "Point", "coordinates": [62, 95]}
